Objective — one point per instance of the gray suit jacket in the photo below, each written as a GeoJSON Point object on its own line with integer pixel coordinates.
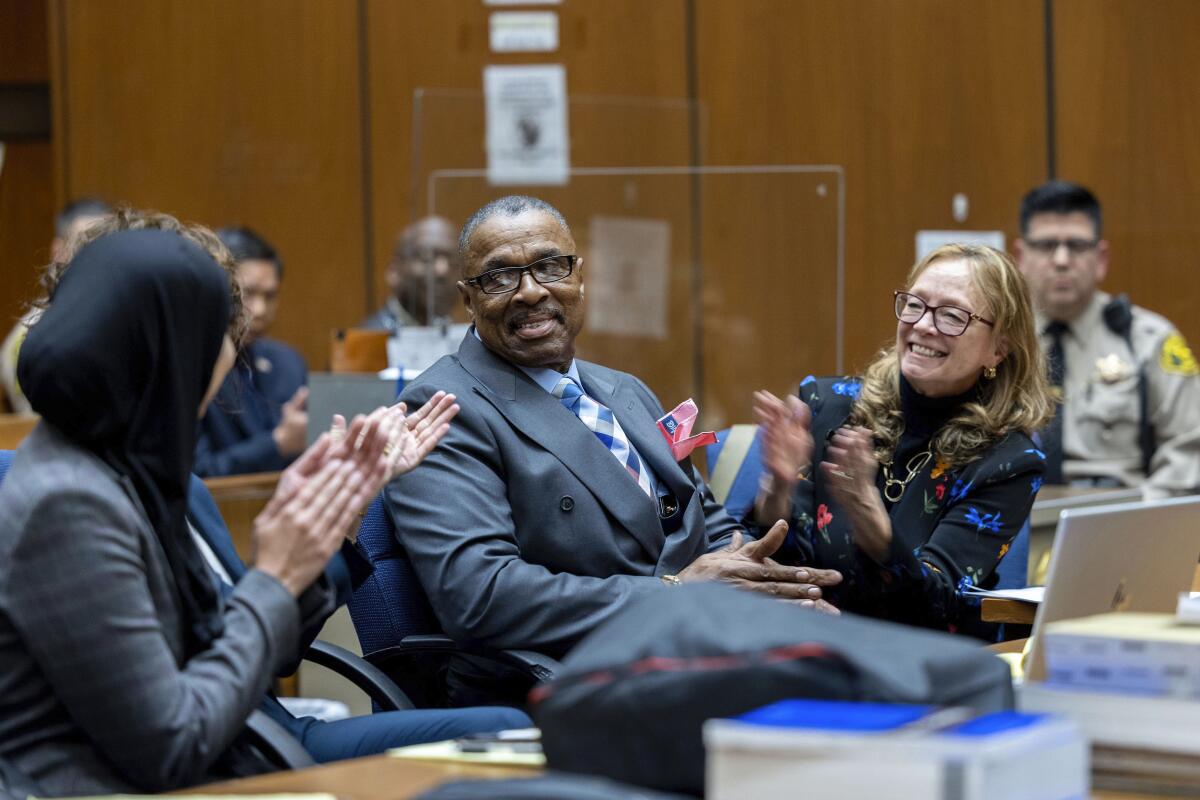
{"type": "Point", "coordinates": [95, 696]}
{"type": "Point", "coordinates": [523, 528]}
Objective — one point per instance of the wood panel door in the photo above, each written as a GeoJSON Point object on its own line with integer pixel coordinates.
{"type": "Point", "coordinates": [918, 101]}
{"type": "Point", "coordinates": [1127, 126]}
{"type": "Point", "coordinates": [226, 112]}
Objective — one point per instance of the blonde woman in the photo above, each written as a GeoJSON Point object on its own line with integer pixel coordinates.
{"type": "Point", "coordinates": [913, 481]}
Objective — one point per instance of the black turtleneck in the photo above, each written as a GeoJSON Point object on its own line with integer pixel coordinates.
{"type": "Point", "coordinates": [924, 417]}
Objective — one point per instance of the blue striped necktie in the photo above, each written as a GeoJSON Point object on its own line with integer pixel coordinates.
{"type": "Point", "coordinates": [600, 420]}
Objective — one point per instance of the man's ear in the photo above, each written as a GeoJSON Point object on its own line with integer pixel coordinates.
{"type": "Point", "coordinates": [1101, 260]}
{"type": "Point", "coordinates": [465, 293]}
{"type": "Point", "coordinates": [1021, 253]}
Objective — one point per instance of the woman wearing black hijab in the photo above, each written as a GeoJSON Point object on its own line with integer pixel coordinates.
{"type": "Point", "coordinates": [121, 667]}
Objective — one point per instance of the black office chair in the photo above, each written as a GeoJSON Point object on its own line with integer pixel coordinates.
{"type": "Point", "coordinates": [398, 630]}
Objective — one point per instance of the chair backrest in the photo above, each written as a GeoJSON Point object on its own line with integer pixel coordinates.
{"type": "Point", "coordinates": [1013, 570]}
{"type": "Point", "coordinates": [734, 467]}
{"type": "Point", "coordinates": [390, 604]}
{"type": "Point", "coordinates": [6, 457]}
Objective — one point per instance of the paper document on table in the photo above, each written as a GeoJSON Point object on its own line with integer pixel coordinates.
{"type": "Point", "coordinates": [498, 754]}
{"type": "Point", "coordinates": [1030, 594]}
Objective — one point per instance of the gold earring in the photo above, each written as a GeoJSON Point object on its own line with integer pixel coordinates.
{"type": "Point", "coordinates": [989, 373]}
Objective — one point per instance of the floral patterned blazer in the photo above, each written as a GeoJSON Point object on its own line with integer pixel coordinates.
{"type": "Point", "coordinates": [950, 528]}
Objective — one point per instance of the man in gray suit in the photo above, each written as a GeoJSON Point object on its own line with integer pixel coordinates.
{"type": "Point", "coordinates": [554, 500]}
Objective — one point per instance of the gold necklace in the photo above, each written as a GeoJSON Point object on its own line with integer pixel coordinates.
{"type": "Point", "coordinates": [915, 465]}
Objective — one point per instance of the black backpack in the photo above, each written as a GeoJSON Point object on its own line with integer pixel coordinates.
{"type": "Point", "coordinates": [631, 698]}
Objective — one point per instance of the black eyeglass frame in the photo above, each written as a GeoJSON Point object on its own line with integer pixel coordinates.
{"type": "Point", "coordinates": [928, 309]}
{"type": "Point", "coordinates": [477, 281]}
{"type": "Point", "coordinates": [1075, 246]}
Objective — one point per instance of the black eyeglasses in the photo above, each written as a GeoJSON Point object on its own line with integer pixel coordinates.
{"type": "Point", "coordinates": [949, 320]}
{"type": "Point", "coordinates": [1048, 247]}
{"type": "Point", "coordinates": [507, 279]}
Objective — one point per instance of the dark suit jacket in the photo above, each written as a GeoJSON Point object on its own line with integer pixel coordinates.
{"type": "Point", "coordinates": [523, 528]}
{"type": "Point", "coordinates": [95, 693]}
{"type": "Point", "coordinates": [235, 434]}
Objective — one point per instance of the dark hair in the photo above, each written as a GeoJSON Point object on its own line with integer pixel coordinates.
{"type": "Point", "coordinates": [1060, 197]}
{"type": "Point", "coordinates": [81, 207]}
{"type": "Point", "coordinates": [508, 206]}
{"type": "Point", "coordinates": [246, 245]}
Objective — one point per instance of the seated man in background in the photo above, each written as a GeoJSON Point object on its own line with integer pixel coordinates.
{"type": "Point", "coordinates": [1131, 389]}
{"type": "Point", "coordinates": [420, 280]}
{"type": "Point", "coordinates": [258, 421]}
{"type": "Point", "coordinates": [554, 500]}
{"type": "Point", "coordinates": [75, 217]}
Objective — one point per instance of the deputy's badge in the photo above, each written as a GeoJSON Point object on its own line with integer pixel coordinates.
{"type": "Point", "coordinates": [1112, 368]}
{"type": "Point", "coordinates": [1177, 358]}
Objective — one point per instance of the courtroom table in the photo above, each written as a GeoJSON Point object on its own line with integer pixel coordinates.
{"type": "Point", "coordinates": [372, 778]}
{"type": "Point", "coordinates": [996, 609]}
{"type": "Point", "coordinates": [385, 778]}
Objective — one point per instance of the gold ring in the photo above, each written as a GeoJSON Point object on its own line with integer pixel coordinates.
{"type": "Point", "coordinates": [842, 474]}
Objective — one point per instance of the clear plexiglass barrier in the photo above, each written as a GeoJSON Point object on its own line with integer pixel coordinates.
{"type": "Point", "coordinates": [705, 282]}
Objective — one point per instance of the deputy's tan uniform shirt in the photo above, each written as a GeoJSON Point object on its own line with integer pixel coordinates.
{"type": "Point", "coordinates": [1100, 413]}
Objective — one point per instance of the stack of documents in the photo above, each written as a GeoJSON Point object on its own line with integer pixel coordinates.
{"type": "Point", "coordinates": [865, 750]}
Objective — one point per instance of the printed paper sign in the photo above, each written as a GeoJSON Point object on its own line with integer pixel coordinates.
{"type": "Point", "coordinates": [526, 109]}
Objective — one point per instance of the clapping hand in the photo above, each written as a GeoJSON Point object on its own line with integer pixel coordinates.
{"type": "Point", "coordinates": [850, 468]}
{"type": "Point", "coordinates": [787, 442]}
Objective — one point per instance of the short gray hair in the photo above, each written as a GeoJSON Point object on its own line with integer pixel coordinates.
{"type": "Point", "coordinates": [509, 206]}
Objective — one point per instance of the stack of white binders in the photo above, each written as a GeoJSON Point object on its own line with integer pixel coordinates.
{"type": "Point", "coordinates": [812, 748]}
{"type": "Point", "coordinates": [1132, 683]}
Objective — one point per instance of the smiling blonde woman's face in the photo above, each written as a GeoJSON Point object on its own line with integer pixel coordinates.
{"type": "Point", "coordinates": [935, 364]}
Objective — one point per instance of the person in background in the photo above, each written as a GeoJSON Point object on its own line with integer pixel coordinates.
{"type": "Point", "coordinates": [258, 421]}
{"type": "Point", "coordinates": [420, 277]}
{"type": "Point", "coordinates": [76, 216]}
{"type": "Point", "coordinates": [913, 481]}
{"type": "Point", "coordinates": [421, 284]}
{"type": "Point", "coordinates": [1130, 414]}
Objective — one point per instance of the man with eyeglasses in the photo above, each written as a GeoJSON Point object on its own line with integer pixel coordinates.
{"type": "Point", "coordinates": [554, 500]}
{"type": "Point", "coordinates": [1131, 388]}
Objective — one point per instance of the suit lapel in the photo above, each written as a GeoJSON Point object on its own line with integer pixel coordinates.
{"type": "Point", "coordinates": [540, 416]}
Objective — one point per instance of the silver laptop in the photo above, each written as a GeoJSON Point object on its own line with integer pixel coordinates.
{"type": "Point", "coordinates": [347, 394]}
{"type": "Point", "coordinates": [1125, 557]}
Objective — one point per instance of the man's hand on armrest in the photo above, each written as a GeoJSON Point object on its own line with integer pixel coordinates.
{"type": "Point", "coordinates": [749, 566]}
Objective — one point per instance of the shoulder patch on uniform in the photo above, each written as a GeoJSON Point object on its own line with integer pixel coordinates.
{"type": "Point", "coordinates": [1177, 358]}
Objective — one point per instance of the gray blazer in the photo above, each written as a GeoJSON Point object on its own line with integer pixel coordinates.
{"type": "Point", "coordinates": [95, 696]}
{"type": "Point", "coordinates": [523, 529]}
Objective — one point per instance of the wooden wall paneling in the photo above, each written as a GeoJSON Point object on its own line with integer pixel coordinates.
{"type": "Point", "coordinates": [1127, 126]}
{"type": "Point", "coordinates": [26, 178]}
{"type": "Point", "coordinates": [623, 48]}
{"type": "Point", "coordinates": [23, 41]}
{"type": "Point", "coordinates": [917, 100]}
{"type": "Point", "coordinates": [225, 112]}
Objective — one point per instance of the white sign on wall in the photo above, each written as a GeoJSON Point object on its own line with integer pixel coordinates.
{"type": "Point", "coordinates": [523, 31]}
{"type": "Point", "coordinates": [527, 139]}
